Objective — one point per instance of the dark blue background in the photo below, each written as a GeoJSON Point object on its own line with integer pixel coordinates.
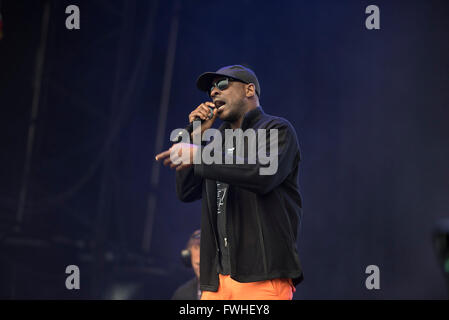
{"type": "Point", "coordinates": [370, 108]}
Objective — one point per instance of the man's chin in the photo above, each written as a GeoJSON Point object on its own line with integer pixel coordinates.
{"type": "Point", "coordinates": [226, 115]}
{"type": "Point", "coordinates": [223, 115]}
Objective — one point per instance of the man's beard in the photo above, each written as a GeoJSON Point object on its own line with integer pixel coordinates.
{"type": "Point", "coordinates": [236, 111]}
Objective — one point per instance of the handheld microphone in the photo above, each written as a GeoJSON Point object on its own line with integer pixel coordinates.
{"type": "Point", "coordinates": [189, 127]}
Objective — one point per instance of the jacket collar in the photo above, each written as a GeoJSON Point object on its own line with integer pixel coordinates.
{"type": "Point", "coordinates": [251, 117]}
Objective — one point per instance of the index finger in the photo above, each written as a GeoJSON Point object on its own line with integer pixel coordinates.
{"type": "Point", "coordinates": [209, 103]}
{"type": "Point", "coordinates": [162, 155]}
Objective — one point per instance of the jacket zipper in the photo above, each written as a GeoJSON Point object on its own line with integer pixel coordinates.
{"type": "Point", "coordinates": [210, 221]}
{"type": "Point", "coordinates": [228, 221]}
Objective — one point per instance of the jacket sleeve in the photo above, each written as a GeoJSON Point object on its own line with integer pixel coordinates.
{"type": "Point", "coordinates": [250, 176]}
{"type": "Point", "coordinates": [188, 185]}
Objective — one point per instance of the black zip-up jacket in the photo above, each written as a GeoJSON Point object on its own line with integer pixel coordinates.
{"type": "Point", "coordinates": [262, 213]}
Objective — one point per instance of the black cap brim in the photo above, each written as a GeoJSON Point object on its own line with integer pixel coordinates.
{"type": "Point", "coordinates": [204, 82]}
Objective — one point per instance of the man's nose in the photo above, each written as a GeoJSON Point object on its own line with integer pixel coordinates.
{"type": "Point", "coordinates": [214, 92]}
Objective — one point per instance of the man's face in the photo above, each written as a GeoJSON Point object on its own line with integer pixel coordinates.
{"type": "Point", "coordinates": [195, 259]}
{"type": "Point", "coordinates": [233, 98]}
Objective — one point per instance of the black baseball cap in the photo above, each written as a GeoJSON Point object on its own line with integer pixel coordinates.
{"type": "Point", "coordinates": [237, 72]}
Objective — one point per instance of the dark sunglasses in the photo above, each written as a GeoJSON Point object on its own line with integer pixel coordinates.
{"type": "Point", "coordinates": [222, 84]}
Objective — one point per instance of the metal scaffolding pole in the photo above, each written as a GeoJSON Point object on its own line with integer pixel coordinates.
{"type": "Point", "coordinates": [37, 82]}
{"type": "Point", "coordinates": [160, 133]}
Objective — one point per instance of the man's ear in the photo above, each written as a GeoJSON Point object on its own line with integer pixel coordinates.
{"type": "Point", "coordinates": [250, 90]}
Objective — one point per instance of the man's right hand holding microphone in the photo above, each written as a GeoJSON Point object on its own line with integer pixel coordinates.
{"type": "Point", "coordinates": [180, 155]}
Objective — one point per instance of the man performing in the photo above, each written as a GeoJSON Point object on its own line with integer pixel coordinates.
{"type": "Point", "coordinates": [249, 220]}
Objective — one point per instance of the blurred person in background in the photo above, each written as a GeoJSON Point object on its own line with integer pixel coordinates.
{"type": "Point", "coordinates": [191, 258]}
